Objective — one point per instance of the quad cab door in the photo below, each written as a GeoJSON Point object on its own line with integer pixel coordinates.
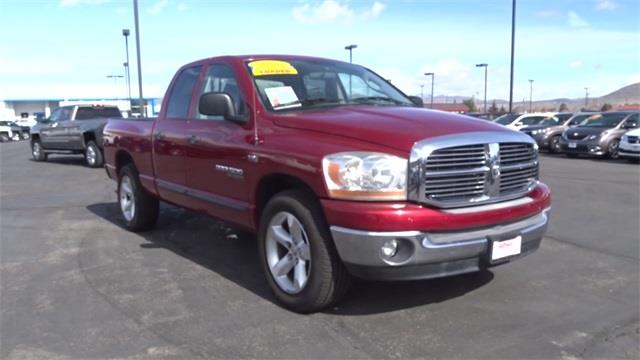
{"type": "Point", "coordinates": [217, 151]}
{"type": "Point", "coordinates": [170, 138]}
{"type": "Point", "coordinates": [53, 134]}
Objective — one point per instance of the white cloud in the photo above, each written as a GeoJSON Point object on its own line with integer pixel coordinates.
{"type": "Point", "coordinates": [334, 11]}
{"type": "Point", "coordinates": [158, 7]}
{"type": "Point", "coordinates": [607, 5]}
{"type": "Point", "coordinates": [575, 20]}
{"type": "Point", "coordinates": [69, 3]}
{"type": "Point", "coordinates": [182, 6]}
{"type": "Point", "coordinates": [576, 64]}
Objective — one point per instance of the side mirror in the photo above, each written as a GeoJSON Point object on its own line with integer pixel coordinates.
{"type": "Point", "coordinates": [519, 123]}
{"type": "Point", "coordinates": [417, 101]}
{"type": "Point", "coordinates": [219, 104]}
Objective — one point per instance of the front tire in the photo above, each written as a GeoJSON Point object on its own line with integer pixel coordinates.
{"type": "Point", "coordinates": [612, 149]}
{"type": "Point", "coordinates": [297, 253]}
{"type": "Point", "coordinates": [37, 151]}
{"type": "Point", "coordinates": [93, 155]}
{"type": "Point", "coordinates": [554, 145]}
{"type": "Point", "coordinates": [139, 209]}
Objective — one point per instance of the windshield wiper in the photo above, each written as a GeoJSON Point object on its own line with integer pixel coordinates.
{"type": "Point", "coordinates": [369, 99]}
{"type": "Point", "coordinates": [318, 100]}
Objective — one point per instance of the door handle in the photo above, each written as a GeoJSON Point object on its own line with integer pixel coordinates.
{"type": "Point", "coordinates": [192, 139]}
{"type": "Point", "coordinates": [159, 135]}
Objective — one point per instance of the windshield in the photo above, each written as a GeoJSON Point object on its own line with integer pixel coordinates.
{"type": "Point", "coordinates": [564, 117]}
{"type": "Point", "coordinates": [604, 120]}
{"type": "Point", "coordinates": [506, 119]}
{"type": "Point", "coordinates": [550, 121]}
{"type": "Point", "coordinates": [304, 84]}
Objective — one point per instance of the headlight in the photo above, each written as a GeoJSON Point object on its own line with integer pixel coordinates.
{"type": "Point", "coordinates": [592, 137]}
{"type": "Point", "coordinates": [365, 176]}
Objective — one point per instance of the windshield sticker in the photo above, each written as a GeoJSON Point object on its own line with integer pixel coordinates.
{"type": "Point", "coordinates": [282, 97]}
{"type": "Point", "coordinates": [272, 67]}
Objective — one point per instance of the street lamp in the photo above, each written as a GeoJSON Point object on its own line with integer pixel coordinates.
{"type": "Point", "coordinates": [432, 79]}
{"type": "Point", "coordinates": [135, 17]}
{"type": "Point", "coordinates": [586, 97]}
{"type": "Point", "coordinates": [125, 33]}
{"type": "Point", "coordinates": [115, 82]}
{"type": "Point", "coordinates": [530, 94]}
{"type": "Point", "coordinates": [350, 48]}
{"type": "Point", "coordinates": [513, 39]}
{"type": "Point", "coordinates": [422, 92]}
{"type": "Point", "coordinates": [485, 84]}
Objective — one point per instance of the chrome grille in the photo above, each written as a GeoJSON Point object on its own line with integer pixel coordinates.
{"type": "Point", "coordinates": [633, 140]}
{"type": "Point", "coordinates": [575, 135]}
{"type": "Point", "coordinates": [476, 173]}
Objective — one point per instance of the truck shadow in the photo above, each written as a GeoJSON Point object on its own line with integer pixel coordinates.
{"type": "Point", "coordinates": [73, 160]}
{"type": "Point", "coordinates": [232, 254]}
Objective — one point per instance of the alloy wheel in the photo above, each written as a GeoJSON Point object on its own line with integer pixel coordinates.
{"type": "Point", "coordinates": [288, 253]}
{"type": "Point", "coordinates": [127, 199]}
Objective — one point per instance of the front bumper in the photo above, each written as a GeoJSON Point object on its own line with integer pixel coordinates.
{"type": "Point", "coordinates": [629, 151]}
{"type": "Point", "coordinates": [423, 255]}
{"type": "Point", "coordinates": [594, 147]}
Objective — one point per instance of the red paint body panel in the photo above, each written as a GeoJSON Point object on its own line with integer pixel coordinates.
{"type": "Point", "coordinates": [404, 216]}
{"type": "Point", "coordinates": [292, 144]}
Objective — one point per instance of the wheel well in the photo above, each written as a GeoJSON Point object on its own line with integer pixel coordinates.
{"type": "Point", "coordinates": [89, 136]}
{"type": "Point", "coordinates": [122, 158]}
{"type": "Point", "coordinates": [274, 184]}
{"type": "Point", "coordinates": [35, 137]}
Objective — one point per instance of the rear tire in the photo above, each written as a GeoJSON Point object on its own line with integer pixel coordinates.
{"type": "Point", "coordinates": [139, 209]}
{"type": "Point", "coordinates": [26, 136]}
{"type": "Point", "coordinates": [326, 279]}
{"type": "Point", "coordinates": [93, 155]}
{"type": "Point", "coordinates": [37, 152]}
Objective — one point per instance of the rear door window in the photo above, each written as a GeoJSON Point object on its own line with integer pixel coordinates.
{"type": "Point", "coordinates": [86, 112]}
{"type": "Point", "coordinates": [181, 93]}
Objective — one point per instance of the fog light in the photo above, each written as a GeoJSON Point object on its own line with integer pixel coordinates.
{"type": "Point", "coordinates": [389, 248]}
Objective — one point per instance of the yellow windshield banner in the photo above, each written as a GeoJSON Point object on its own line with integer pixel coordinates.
{"type": "Point", "coordinates": [272, 67]}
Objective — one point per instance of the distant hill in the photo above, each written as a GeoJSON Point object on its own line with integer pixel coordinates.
{"type": "Point", "coordinates": [627, 95]}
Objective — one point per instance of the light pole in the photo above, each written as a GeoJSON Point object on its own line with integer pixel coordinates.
{"type": "Point", "coordinates": [586, 97]}
{"type": "Point", "coordinates": [432, 76]}
{"type": "Point", "coordinates": [422, 92]}
{"type": "Point", "coordinates": [530, 94]}
{"type": "Point", "coordinates": [485, 84]}
{"type": "Point", "coordinates": [125, 33]}
{"type": "Point", "coordinates": [513, 39]}
{"type": "Point", "coordinates": [115, 82]}
{"type": "Point", "coordinates": [135, 16]}
{"type": "Point", "coordinates": [350, 48]}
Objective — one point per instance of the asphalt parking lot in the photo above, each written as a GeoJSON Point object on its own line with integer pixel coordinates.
{"type": "Point", "coordinates": [77, 285]}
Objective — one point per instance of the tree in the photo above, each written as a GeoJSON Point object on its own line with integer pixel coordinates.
{"type": "Point", "coordinates": [493, 109]}
{"type": "Point", "coordinates": [563, 107]}
{"type": "Point", "coordinates": [470, 104]}
{"type": "Point", "coordinates": [606, 107]}
{"type": "Point", "coordinates": [502, 109]}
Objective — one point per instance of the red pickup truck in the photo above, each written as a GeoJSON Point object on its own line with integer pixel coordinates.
{"type": "Point", "coordinates": [337, 171]}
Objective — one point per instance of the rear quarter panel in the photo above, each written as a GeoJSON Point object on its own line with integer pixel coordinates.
{"type": "Point", "coordinates": [133, 137]}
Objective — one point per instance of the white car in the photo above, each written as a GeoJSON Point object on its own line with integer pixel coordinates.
{"type": "Point", "coordinates": [30, 122]}
{"type": "Point", "coordinates": [6, 134]}
{"type": "Point", "coordinates": [517, 121]}
{"type": "Point", "coordinates": [629, 147]}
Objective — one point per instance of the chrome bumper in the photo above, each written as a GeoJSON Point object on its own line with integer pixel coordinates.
{"type": "Point", "coordinates": [423, 255]}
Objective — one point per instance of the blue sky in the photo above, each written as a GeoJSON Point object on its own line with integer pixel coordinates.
{"type": "Point", "coordinates": [66, 48]}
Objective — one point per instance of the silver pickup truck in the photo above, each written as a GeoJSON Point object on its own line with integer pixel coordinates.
{"type": "Point", "coordinates": [74, 129]}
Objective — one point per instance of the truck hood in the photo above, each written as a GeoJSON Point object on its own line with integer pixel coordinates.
{"type": "Point", "coordinates": [395, 127]}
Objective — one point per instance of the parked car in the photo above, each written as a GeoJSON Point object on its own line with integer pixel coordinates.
{"type": "Point", "coordinates": [336, 170]}
{"type": "Point", "coordinates": [599, 135]}
{"type": "Point", "coordinates": [6, 133]}
{"type": "Point", "coordinates": [517, 121]}
{"type": "Point", "coordinates": [539, 126]}
{"type": "Point", "coordinates": [75, 129]}
{"type": "Point", "coordinates": [549, 138]}
{"type": "Point", "coordinates": [630, 145]}
{"type": "Point", "coordinates": [17, 132]}
{"type": "Point", "coordinates": [26, 122]}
